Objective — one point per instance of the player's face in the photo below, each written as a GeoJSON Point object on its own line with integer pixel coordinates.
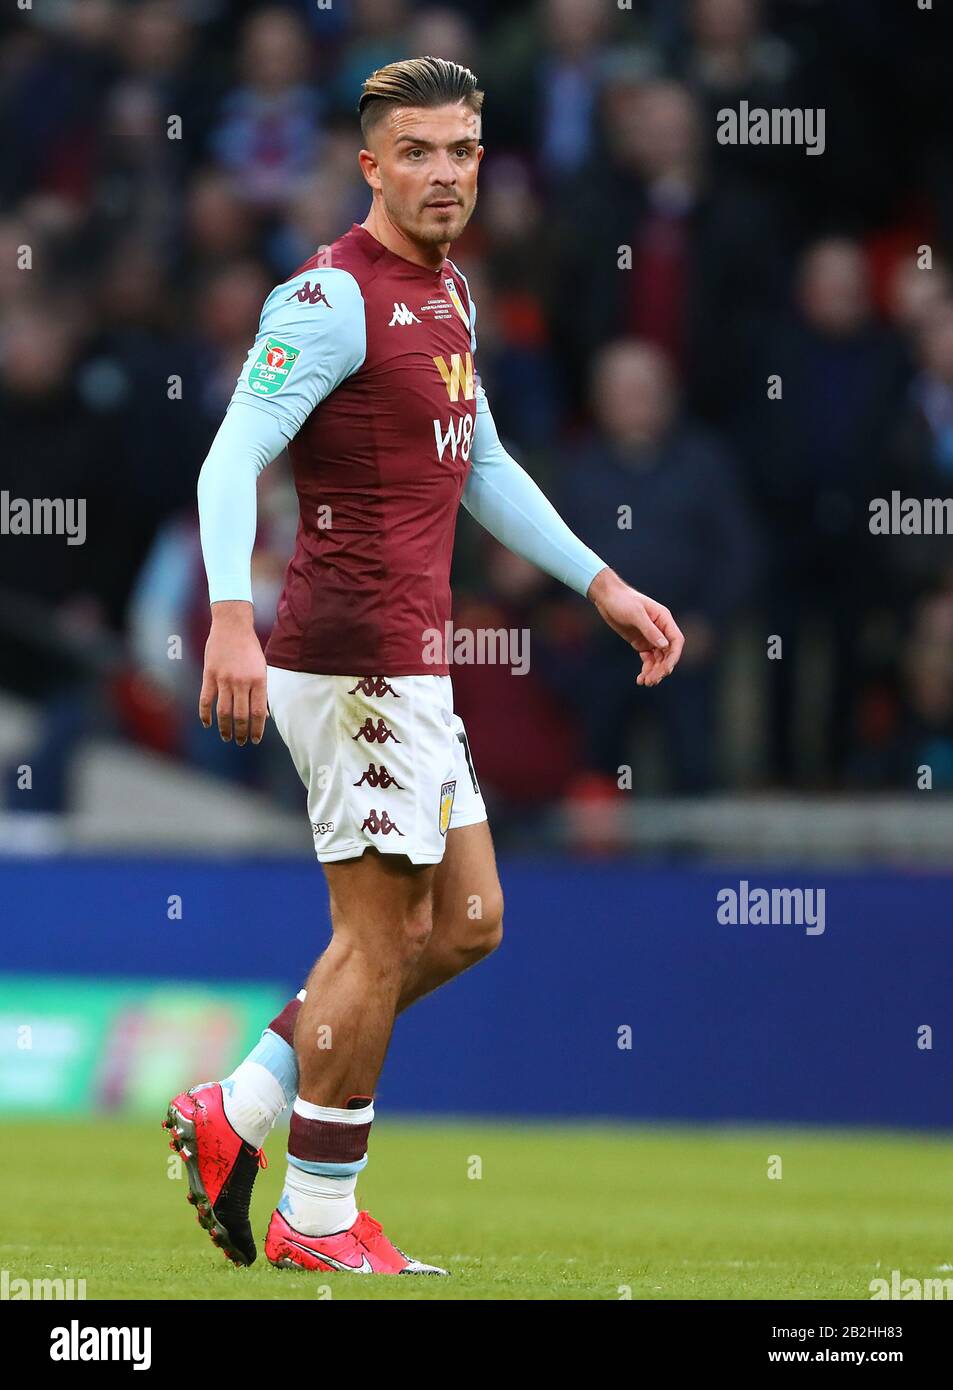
{"type": "Point", "coordinates": [425, 163]}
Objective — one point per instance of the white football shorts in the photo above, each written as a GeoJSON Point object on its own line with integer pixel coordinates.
{"type": "Point", "coordinates": [384, 758]}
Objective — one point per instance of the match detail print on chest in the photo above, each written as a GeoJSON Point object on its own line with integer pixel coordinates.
{"type": "Point", "coordinates": [429, 327]}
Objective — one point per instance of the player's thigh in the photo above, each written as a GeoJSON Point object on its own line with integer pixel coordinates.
{"type": "Point", "coordinates": [378, 899]}
{"type": "Point", "coordinates": [467, 896]}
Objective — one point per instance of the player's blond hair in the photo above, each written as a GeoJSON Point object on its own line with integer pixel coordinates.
{"type": "Point", "coordinates": [417, 82]}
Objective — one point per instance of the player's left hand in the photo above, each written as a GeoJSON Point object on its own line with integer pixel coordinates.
{"type": "Point", "coordinates": [647, 626]}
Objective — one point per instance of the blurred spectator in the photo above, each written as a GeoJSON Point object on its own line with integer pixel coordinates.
{"type": "Point", "coordinates": [60, 602]}
{"type": "Point", "coordinates": [658, 500]}
{"type": "Point", "coordinates": [920, 735]}
{"type": "Point", "coordinates": [323, 208]}
{"type": "Point", "coordinates": [161, 72]}
{"type": "Point", "coordinates": [51, 103]}
{"type": "Point", "coordinates": [218, 225]}
{"type": "Point", "coordinates": [530, 758]}
{"type": "Point", "coordinates": [142, 366]}
{"type": "Point", "coordinates": [547, 86]}
{"type": "Point", "coordinates": [926, 735]}
{"type": "Point", "coordinates": [515, 361]}
{"type": "Point", "coordinates": [918, 462]}
{"type": "Point", "coordinates": [662, 252]}
{"type": "Point", "coordinates": [227, 312]}
{"type": "Point", "coordinates": [378, 37]}
{"type": "Point", "coordinates": [171, 602]}
{"type": "Point", "coordinates": [58, 445]}
{"type": "Point", "coordinates": [915, 292]}
{"type": "Point", "coordinates": [140, 170]}
{"type": "Point", "coordinates": [268, 134]}
{"type": "Point", "coordinates": [444, 32]}
{"type": "Point", "coordinates": [731, 58]}
{"type": "Point", "coordinates": [16, 279]}
{"type": "Point", "coordinates": [812, 457]}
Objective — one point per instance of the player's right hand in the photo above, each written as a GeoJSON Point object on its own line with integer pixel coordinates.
{"type": "Point", "coordinates": [235, 676]}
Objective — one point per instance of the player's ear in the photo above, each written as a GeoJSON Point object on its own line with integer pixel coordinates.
{"type": "Point", "coordinates": [369, 168]}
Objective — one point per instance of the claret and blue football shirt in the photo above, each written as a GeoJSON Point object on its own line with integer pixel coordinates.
{"type": "Point", "coordinates": [364, 366]}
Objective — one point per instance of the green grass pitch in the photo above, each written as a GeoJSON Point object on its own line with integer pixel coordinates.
{"type": "Point", "coordinates": [557, 1212]}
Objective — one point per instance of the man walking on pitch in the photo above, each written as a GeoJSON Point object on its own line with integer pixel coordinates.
{"type": "Point", "coordinates": [364, 369]}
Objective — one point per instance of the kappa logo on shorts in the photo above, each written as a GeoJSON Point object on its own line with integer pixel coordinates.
{"type": "Point", "coordinates": [376, 686]}
{"type": "Point", "coordinates": [322, 827]}
{"type": "Point", "coordinates": [446, 805]}
{"type": "Point", "coordinates": [380, 824]}
{"type": "Point", "coordinates": [380, 734]}
{"type": "Point", "coordinates": [378, 777]}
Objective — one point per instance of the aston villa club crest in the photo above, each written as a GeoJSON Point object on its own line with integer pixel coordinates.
{"type": "Point", "coordinates": [456, 301]}
{"type": "Point", "coordinates": [446, 805]}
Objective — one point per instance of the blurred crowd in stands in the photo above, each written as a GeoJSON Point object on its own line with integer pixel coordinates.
{"type": "Point", "coordinates": [167, 161]}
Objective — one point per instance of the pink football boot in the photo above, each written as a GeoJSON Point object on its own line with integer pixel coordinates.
{"type": "Point", "coordinates": [363, 1249]}
{"type": "Point", "coordinates": [221, 1168]}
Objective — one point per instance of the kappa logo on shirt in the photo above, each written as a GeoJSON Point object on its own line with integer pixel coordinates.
{"type": "Point", "coordinates": [307, 295]}
{"type": "Point", "coordinates": [402, 315]}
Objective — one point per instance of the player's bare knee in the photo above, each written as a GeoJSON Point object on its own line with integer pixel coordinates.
{"type": "Point", "coordinates": [479, 936]}
{"type": "Point", "coordinates": [491, 924]}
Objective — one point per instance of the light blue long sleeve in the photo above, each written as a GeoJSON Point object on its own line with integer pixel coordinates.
{"type": "Point", "coordinates": [310, 337]}
{"type": "Point", "coordinates": [503, 498]}
{"type": "Point", "coordinates": [247, 441]}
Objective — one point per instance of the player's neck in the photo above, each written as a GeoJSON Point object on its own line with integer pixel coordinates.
{"type": "Point", "coordinates": [383, 230]}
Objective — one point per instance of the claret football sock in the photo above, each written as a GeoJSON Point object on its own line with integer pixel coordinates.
{"type": "Point", "coordinates": [327, 1148]}
{"type": "Point", "coordinates": [266, 1082]}
{"type": "Point", "coordinates": [284, 1024]}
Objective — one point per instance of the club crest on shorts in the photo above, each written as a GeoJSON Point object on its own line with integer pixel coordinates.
{"type": "Point", "coordinates": [446, 804]}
